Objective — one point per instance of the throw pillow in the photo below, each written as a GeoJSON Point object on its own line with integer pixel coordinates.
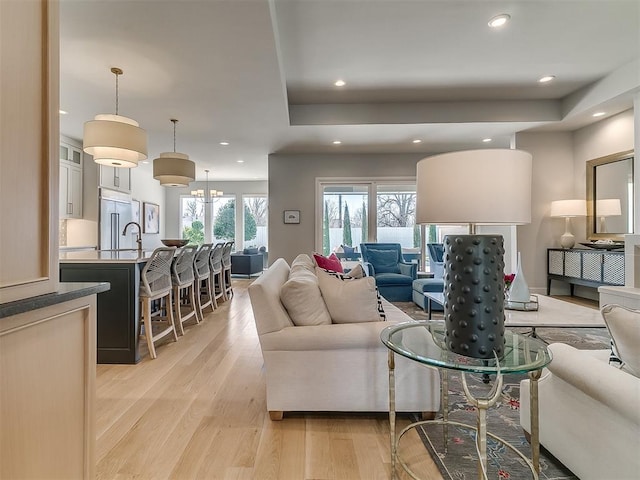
{"type": "Point", "coordinates": [624, 327]}
{"type": "Point", "coordinates": [349, 301]}
{"type": "Point", "coordinates": [383, 261]}
{"type": "Point", "coordinates": [332, 262]}
{"type": "Point", "coordinates": [304, 262]}
{"type": "Point", "coordinates": [302, 299]}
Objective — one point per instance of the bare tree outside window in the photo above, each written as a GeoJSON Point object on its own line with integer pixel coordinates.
{"type": "Point", "coordinates": [396, 209]}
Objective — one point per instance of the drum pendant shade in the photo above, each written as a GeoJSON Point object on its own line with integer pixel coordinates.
{"type": "Point", "coordinates": [115, 140]}
{"type": "Point", "coordinates": [174, 169]}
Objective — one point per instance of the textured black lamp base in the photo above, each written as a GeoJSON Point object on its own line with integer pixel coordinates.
{"type": "Point", "coordinates": [474, 294]}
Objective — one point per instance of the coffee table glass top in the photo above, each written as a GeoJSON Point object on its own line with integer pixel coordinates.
{"type": "Point", "coordinates": [424, 343]}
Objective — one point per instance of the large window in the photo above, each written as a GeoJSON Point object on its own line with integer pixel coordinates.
{"type": "Point", "coordinates": [345, 216]}
{"type": "Point", "coordinates": [223, 212]}
{"type": "Point", "coordinates": [255, 219]}
{"type": "Point", "coordinates": [192, 219]}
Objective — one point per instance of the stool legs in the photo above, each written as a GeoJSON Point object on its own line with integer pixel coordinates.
{"type": "Point", "coordinates": [148, 327]}
{"type": "Point", "coordinates": [177, 304]}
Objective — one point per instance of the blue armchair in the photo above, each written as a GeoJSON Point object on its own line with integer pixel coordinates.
{"type": "Point", "coordinates": [436, 259]}
{"type": "Point", "coordinates": [393, 276]}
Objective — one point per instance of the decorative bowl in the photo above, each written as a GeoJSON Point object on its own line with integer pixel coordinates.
{"type": "Point", "coordinates": [175, 243]}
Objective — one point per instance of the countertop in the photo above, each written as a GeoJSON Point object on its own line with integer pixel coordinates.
{"type": "Point", "coordinates": [66, 291]}
{"type": "Point", "coordinates": [106, 256]}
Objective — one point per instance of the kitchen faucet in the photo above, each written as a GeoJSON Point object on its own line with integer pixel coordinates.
{"type": "Point", "coordinates": [138, 235]}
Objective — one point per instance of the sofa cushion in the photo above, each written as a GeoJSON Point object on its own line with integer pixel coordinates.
{"type": "Point", "coordinates": [302, 299]}
{"type": "Point", "coordinates": [624, 328]}
{"type": "Point", "coordinates": [384, 261]}
{"type": "Point", "coordinates": [349, 301]}
{"type": "Point", "coordinates": [332, 262]}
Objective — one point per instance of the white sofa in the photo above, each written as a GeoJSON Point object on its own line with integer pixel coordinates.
{"type": "Point", "coordinates": [332, 367]}
{"type": "Point", "coordinates": [589, 414]}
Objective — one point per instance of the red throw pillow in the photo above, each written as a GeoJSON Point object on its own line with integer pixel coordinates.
{"type": "Point", "coordinates": [332, 262]}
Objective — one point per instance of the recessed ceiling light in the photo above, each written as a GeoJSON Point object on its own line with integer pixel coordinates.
{"type": "Point", "coordinates": [63, 112]}
{"type": "Point", "coordinates": [240, 161]}
{"type": "Point", "coordinates": [499, 20]}
{"type": "Point", "coordinates": [145, 162]}
{"type": "Point", "coordinates": [337, 142]}
{"type": "Point", "coordinates": [417, 140]}
{"type": "Point", "coordinates": [340, 83]}
{"type": "Point", "coordinates": [546, 78]}
{"type": "Point", "coordinates": [598, 114]}
{"type": "Point", "coordinates": [486, 140]}
{"type": "Point", "coordinates": [224, 143]}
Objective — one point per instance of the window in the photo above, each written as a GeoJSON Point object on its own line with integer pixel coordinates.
{"type": "Point", "coordinates": [223, 212]}
{"type": "Point", "coordinates": [344, 216]}
{"type": "Point", "coordinates": [192, 219]}
{"type": "Point", "coordinates": [255, 219]}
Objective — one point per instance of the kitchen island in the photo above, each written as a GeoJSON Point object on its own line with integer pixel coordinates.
{"type": "Point", "coordinates": [118, 309]}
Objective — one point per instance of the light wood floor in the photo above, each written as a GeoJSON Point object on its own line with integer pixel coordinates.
{"type": "Point", "coordinates": [199, 412]}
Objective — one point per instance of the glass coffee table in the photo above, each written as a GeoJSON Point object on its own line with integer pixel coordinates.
{"type": "Point", "coordinates": [423, 342]}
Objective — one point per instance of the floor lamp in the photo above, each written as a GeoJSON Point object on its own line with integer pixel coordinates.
{"type": "Point", "coordinates": [486, 187]}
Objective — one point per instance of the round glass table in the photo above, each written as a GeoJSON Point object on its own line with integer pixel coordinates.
{"type": "Point", "coordinates": [424, 342]}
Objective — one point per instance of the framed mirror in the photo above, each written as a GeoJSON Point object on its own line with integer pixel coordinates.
{"type": "Point", "coordinates": [610, 197]}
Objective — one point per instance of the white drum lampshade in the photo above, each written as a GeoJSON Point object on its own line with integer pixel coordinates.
{"type": "Point", "coordinates": [174, 169]}
{"type": "Point", "coordinates": [115, 140]}
{"type": "Point", "coordinates": [568, 209]}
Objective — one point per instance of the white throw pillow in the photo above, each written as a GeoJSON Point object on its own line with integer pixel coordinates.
{"type": "Point", "coordinates": [624, 328]}
{"type": "Point", "coordinates": [350, 301]}
{"type": "Point", "coordinates": [304, 262]}
{"type": "Point", "coordinates": [302, 299]}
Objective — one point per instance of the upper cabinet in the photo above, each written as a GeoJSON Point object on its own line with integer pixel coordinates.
{"type": "Point", "coordinates": [70, 181]}
{"type": "Point", "coordinates": [115, 178]}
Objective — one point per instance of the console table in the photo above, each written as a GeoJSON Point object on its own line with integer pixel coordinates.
{"type": "Point", "coordinates": [589, 268]}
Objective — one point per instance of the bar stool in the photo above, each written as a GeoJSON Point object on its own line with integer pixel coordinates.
{"type": "Point", "coordinates": [217, 280]}
{"type": "Point", "coordinates": [226, 270]}
{"type": "Point", "coordinates": [155, 285]}
{"type": "Point", "coordinates": [203, 279]}
{"type": "Point", "coordinates": [183, 278]}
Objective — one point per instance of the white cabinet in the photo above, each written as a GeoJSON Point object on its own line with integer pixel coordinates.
{"type": "Point", "coordinates": [115, 178]}
{"type": "Point", "coordinates": [70, 181]}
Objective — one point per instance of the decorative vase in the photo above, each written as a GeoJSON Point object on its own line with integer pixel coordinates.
{"type": "Point", "coordinates": [474, 295]}
{"type": "Point", "coordinates": [519, 290]}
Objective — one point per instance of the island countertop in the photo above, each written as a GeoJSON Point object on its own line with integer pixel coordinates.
{"type": "Point", "coordinates": [106, 256]}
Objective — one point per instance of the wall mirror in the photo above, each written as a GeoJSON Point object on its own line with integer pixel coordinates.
{"type": "Point", "coordinates": [610, 196]}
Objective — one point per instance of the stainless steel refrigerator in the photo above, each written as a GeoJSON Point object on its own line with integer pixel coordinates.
{"type": "Point", "coordinates": [115, 213]}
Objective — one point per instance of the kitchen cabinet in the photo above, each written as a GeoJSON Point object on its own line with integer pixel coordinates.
{"type": "Point", "coordinates": [70, 181]}
{"type": "Point", "coordinates": [115, 178]}
{"type": "Point", "coordinates": [590, 268]}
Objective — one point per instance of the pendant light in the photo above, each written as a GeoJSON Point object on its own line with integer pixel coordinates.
{"type": "Point", "coordinates": [113, 139]}
{"type": "Point", "coordinates": [207, 194]}
{"type": "Point", "coordinates": [174, 169]}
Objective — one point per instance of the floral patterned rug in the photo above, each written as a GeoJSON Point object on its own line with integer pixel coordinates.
{"type": "Point", "coordinates": [503, 419]}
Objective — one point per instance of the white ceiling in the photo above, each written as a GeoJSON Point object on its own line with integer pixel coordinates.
{"type": "Point", "coordinates": [259, 74]}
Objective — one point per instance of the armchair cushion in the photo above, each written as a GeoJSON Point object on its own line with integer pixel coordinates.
{"type": "Point", "coordinates": [349, 300]}
{"type": "Point", "coordinates": [393, 279]}
{"type": "Point", "coordinates": [624, 327]}
{"type": "Point", "coordinates": [384, 261]}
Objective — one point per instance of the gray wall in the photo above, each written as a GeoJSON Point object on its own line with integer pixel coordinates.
{"type": "Point", "coordinates": [292, 183]}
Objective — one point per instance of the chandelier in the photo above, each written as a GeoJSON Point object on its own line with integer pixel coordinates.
{"type": "Point", "coordinates": [113, 139]}
{"type": "Point", "coordinates": [173, 169]}
{"type": "Point", "coordinates": [207, 194]}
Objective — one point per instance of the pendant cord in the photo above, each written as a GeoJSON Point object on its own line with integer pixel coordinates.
{"type": "Point", "coordinates": [116, 94]}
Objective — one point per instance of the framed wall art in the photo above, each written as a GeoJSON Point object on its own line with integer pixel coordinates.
{"type": "Point", "coordinates": [151, 213]}
{"type": "Point", "coordinates": [292, 216]}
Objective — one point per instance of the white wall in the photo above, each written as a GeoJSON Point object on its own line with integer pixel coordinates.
{"type": "Point", "coordinates": [146, 189]}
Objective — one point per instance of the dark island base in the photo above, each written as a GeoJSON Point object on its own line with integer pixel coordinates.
{"type": "Point", "coordinates": [118, 308]}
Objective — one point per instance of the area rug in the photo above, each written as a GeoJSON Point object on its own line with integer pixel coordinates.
{"type": "Point", "coordinates": [503, 419]}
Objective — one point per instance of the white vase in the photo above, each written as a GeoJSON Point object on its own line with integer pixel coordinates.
{"type": "Point", "coordinates": [519, 290]}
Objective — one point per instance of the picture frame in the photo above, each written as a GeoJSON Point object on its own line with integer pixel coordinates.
{"type": "Point", "coordinates": [151, 222]}
{"type": "Point", "coordinates": [292, 216]}
{"type": "Point", "coordinates": [135, 211]}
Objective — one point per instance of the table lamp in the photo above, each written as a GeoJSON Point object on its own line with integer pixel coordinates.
{"type": "Point", "coordinates": [568, 209]}
{"type": "Point", "coordinates": [487, 187]}
{"type": "Point", "coordinates": [607, 207]}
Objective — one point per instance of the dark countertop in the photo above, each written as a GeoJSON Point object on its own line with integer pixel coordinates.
{"type": "Point", "coordinates": [66, 291]}
{"type": "Point", "coordinates": [106, 256]}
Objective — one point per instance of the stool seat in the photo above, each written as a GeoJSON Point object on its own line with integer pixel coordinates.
{"type": "Point", "coordinates": [421, 285]}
